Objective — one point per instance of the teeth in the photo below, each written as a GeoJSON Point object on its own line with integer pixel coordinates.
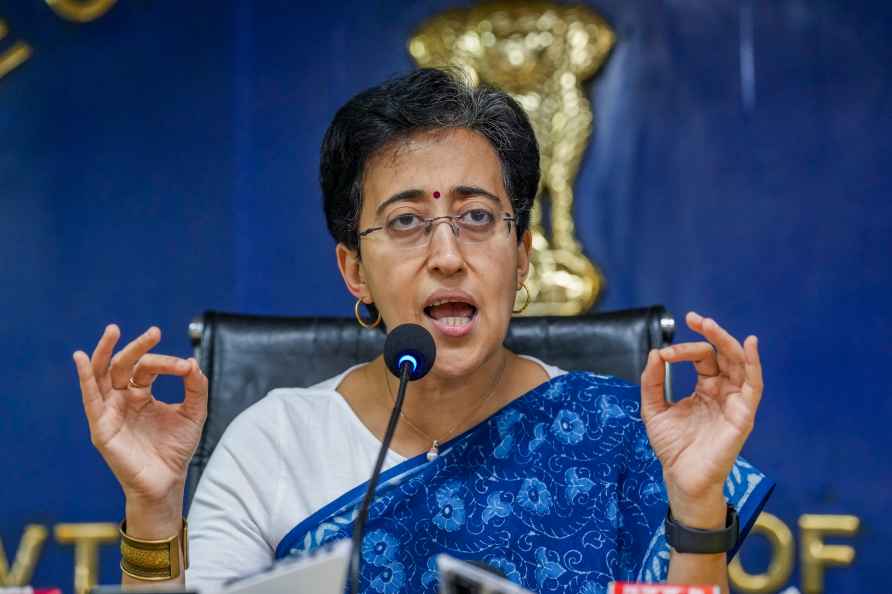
{"type": "Point", "coordinates": [454, 321]}
{"type": "Point", "coordinates": [442, 301]}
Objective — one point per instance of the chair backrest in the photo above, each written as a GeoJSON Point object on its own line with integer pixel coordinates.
{"type": "Point", "coordinates": [245, 356]}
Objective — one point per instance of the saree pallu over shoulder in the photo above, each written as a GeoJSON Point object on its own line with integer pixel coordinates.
{"type": "Point", "coordinates": [560, 491]}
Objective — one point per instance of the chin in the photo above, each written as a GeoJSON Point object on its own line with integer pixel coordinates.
{"type": "Point", "coordinates": [450, 365]}
{"type": "Point", "coordinates": [458, 358]}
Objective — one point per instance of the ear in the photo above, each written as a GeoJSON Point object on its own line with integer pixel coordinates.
{"type": "Point", "coordinates": [524, 247]}
{"type": "Point", "coordinates": [352, 272]}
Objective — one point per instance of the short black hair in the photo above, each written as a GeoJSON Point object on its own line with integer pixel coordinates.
{"type": "Point", "coordinates": [423, 100]}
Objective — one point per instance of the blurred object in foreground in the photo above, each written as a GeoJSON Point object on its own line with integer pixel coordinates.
{"type": "Point", "coordinates": [635, 588]}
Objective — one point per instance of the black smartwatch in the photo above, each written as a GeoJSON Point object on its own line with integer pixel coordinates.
{"type": "Point", "coordinates": [704, 542]}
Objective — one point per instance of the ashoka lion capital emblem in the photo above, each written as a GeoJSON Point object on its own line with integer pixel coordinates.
{"type": "Point", "coordinates": [541, 53]}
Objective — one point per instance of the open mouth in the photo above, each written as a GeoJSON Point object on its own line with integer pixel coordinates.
{"type": "Point", "coordinates": [453, 318]}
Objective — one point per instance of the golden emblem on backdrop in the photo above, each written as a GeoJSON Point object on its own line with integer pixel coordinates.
{"type": "Point", "coordinates": [80, 11]}
{"type": "Point", "coordinates": [14, 56]}
{"type": "Point", "coordinates": [540, 52]}
{"type": "Point", "coordinates": [76, 11]}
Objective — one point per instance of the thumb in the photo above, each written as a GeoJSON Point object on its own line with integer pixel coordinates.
{"type": "Point", "coordinates": [653, 381]}
{"type": "Point", "coordinates": [195, 404]}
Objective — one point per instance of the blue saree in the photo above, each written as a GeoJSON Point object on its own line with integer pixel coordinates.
{"type": "Point", "coordinates": [560, 491]}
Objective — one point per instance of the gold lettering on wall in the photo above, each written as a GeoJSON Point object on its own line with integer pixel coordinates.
{"type": "Point", "coordinates": [816, 555]}
{"type": "Point", "coordinates": [25, 558]}
{"type": "Point", "coordinates": [779, 569]}
{"type": "Point", "coordinates": [80, 11]}
{"type": "Point", "coordinates": [86, 539]}
{"type": "Point", "coordinates": [14, 56]}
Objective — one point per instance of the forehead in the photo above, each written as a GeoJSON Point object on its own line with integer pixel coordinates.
{"type": "Point", "coordinates": [433, 161]}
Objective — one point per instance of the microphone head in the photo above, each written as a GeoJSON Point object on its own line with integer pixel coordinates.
{"type": "Point", "coordinates": [412, 343]}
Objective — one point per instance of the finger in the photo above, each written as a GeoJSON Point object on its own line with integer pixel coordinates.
{"type": "Point", "coordinates": [694, 321]}
{"type": "Point", "coordinates": [754, 386]}
{"type": "Point", "coordinates": [653, 380]}
{"type": "Point", "coordinates": [717, 336]}
{"type": "Point", "coordinates": [102, 355]}
{"type": "Point", "coordinates": [92, 397]}
{"type": "Point", "coordinates": [195, 404]}
{"type": "Point", "coordinates": [730, 352]}
{"type": "Point", "coordinates": [150, 366]}
{"type": "Point", "coordinates": [701, 354]}
{"type": "Point", "coordinates": [122, 364]}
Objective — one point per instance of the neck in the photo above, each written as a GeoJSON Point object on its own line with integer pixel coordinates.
{"type": "Point", "coordinates": [442, 407]}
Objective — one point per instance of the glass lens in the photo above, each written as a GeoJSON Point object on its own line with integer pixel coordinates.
{"type": "Point", "coordinates": [406, 229]}
{"type": "Point", "coordinates": [476, 224]}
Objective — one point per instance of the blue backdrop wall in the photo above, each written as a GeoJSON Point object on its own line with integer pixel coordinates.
{"type": "Point", "coordinates": [162, 160]}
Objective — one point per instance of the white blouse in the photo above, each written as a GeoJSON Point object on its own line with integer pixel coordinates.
{"type": "Point", "coordinates": [279, 461]}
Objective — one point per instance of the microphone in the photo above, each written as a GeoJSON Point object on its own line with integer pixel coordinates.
{"type": "Point", "coordinates": [413, 344]}
{"type": "Point", "coordinates": [409, 353]}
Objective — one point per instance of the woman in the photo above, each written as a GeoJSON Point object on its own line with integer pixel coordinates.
{"type": "Point", "coordinates": [560, 481]}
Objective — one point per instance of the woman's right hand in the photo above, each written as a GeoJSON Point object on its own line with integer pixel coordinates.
{"type": "Point", "coordinates": [147, 443]}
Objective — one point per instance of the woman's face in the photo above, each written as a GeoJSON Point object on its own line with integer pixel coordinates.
{"type": "Point", "coordinates": [461, 291]}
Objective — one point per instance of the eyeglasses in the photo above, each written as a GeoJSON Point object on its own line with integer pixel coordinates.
{"type": "Point", "coordinates": [409, 230]}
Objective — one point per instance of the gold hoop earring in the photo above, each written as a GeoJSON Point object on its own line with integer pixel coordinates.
{"type": "Point", "coordinates": [526, 301]}
{"type": "Point", "coordinates": [362, 322]}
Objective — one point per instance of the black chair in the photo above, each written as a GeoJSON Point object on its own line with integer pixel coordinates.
{"type": "Point", "coordinates": [244, 356]}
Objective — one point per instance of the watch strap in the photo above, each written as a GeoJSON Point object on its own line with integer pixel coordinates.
{"type": "Point", "coordinates": [704, 542]}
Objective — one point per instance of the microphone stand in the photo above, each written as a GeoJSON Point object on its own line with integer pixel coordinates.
{"type": "Point", "coordinates": [359, 528]}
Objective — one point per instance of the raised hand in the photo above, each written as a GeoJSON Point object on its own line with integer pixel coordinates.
{"type": "Point", "coordinates": [698, 438]}
{"type": "Point", "coordinates": [146, 443]}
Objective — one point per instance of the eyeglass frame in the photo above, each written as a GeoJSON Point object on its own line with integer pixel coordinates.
{"type": "Point", "coordinates": [429, 225]}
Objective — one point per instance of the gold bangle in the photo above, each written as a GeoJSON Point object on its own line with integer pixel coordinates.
{"type": "Point", "coordinates": [154, 560]}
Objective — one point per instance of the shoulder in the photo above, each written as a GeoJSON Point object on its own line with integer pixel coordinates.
{"type": "Point", "coordinates": [284, 410]}
{"type": "Point", "coordinates": [586, 380]}
{"type": "Point", "coordinates": [575, 387]}
{"type": "Point", "coordinates": [581, 419]}
{"type": "Point", "coordinates": [587, 404]}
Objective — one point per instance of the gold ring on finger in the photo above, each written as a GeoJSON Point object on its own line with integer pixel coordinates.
{"type": "Point", "coordinates": [133, 384]}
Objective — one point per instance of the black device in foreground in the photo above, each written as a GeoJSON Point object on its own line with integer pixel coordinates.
{"type": "Point", "coordinates": [473, 577]}
{"type": "Point", "coordinates": [138, 589]}
{"type": "Point", "coordinates": [409, 353]}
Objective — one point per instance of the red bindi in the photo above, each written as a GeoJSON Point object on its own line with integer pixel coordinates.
{"type": "Point", "coordinates": [436, 194]}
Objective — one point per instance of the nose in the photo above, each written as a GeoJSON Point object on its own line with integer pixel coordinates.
{"type": "Point", "coordinates": [445, 254]}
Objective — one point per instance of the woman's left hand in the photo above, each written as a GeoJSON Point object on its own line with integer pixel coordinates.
{"type": "Point", "coordinates": [698, 438]}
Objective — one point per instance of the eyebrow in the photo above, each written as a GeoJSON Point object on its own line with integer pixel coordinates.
{"type": "Point", "coordinates": [468, 191]}
{"type": "Point", "coordinates": [404, 196]}
{"type": "Point", "coordinates": [415, 194]}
